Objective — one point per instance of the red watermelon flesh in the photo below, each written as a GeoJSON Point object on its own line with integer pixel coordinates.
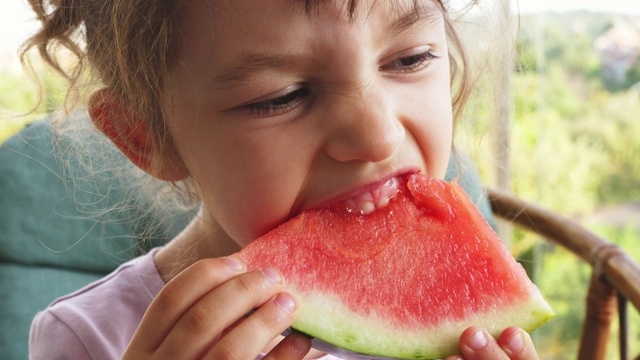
{"type": "Point", "coordinates": [403, 281]}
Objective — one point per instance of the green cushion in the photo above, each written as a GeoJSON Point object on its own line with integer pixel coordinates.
{"type": "Point", "coordinates": [55, 235]}
{"type": "Point", "coordinates": [53, 212]}
{"type": "Point", "coordinates": [25, 290]}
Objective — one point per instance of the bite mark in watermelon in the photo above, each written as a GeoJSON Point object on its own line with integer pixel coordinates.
{"type": "Point", "coordinates": [403, 281]}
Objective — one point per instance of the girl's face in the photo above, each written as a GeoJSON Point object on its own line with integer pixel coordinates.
{"type": "Point", "coordinates": [276, 109]}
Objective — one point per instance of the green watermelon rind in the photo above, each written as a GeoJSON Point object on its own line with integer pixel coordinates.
{"type": "Point", "coordinates": [359, 333]}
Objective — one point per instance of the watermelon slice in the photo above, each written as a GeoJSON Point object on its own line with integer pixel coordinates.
{"type": "Point", "coordinates": [403, 281]}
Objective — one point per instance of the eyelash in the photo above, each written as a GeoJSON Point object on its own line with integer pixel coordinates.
{"type": "Point", "coordinates": [410, 63]}
{"type": "Point", "coordinates": [279, 104]}
{"type": "Point", "coordinates": [289, 101]}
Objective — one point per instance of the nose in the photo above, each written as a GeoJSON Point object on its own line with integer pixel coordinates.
{"type": "Point", "coordinates": [364, 127]}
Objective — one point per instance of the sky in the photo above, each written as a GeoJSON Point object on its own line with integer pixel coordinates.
{"type": "Point", "coordinates": [16, 21]}
{"type": "Point", "coordinates": [631, 7]}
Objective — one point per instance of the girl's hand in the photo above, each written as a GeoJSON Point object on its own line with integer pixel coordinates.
{"type": "Point", "coordinates": [514, 343]}
{"type": "Point", "coordinates": [201, 314]}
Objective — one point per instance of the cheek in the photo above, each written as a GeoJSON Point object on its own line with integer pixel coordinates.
{"type": "Point", "coordinates": [440, 127]}
{"type": "Point", "coordinates": [431, 123]}
{"type": "Point", "coordinates": [245, 209]}
{"type": "Point", "coordinates": [236, 214]}
{"type": "Point", "coordinates": [249, 185]}
{"type": "Point", "coordinates": [437, 142]}
{"type": "Point", "coordinates": [247, 180]}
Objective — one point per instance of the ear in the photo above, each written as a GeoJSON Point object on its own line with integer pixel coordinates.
{"type": "Point", "coordinates": [133, 138]}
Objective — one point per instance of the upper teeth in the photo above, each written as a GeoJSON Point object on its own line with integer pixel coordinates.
{"type": "Point", "coordinates": [369, 201]}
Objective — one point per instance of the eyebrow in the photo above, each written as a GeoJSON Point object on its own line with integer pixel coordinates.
{"type": "Point", "coordinates": [421, 13]}
{"type": "Point", "coordinates": [251, 63]}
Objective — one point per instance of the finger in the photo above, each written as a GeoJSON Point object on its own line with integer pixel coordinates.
{"type": "Point", "coordinates": [177, 296]}
{"type": "Point", "coordinates": [202, 325]}
{"type": "Point", "coordinates": [293, 347]}
{"type": "Point", "coordinates": [454, 357]}
{"type": "Point", "coordinates": [267, 322]}
{"type": "Point", "coordinates": [517, 344]}
{"type": "Point", "coordinates": [478, 344]}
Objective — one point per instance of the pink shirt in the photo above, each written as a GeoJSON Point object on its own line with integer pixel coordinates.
{"type": "Point", "coordinates": [98, 321]}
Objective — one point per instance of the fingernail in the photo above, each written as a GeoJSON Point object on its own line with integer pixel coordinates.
{"type": "Point", "coordinates": [234, 264]}
{"type": "Point", "coordinates": [516, 343]}
{"type": "Point", "coordinates": [300, 344]}
{"type": "Point", "coordinates": [478, 340]}
{"type": "Point", "coordinates": [272, 274]}
{"type": "Point", "coordinates": [285, 303]}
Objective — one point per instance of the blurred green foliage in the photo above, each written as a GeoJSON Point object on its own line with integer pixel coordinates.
{"type": "Point", "coordinates": [19, 94]}
{"type": "Point", "coordinates": [573, 137]}
{"type": "Point", "coordinates": [575, 148]}
{"type": "Point", "coordinates": [563, 279]}
{"type": "Point", "coordinates": [19, 101]}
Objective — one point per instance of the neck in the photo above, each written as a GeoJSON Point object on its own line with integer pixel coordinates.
{"type": "Point", "coordinates": [202, 238]}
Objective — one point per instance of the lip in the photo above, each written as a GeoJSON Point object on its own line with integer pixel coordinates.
{"type": "Point", "coordinates": [360, 189]}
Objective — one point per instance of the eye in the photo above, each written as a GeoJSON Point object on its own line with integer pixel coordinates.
{"type": "Point", "coordinates": [410, 63]}
{"type": "Point", "coordinates": [279, 104]}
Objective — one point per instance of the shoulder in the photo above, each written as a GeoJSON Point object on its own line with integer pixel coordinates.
{"type": "Point", "coordinates": [99, 319]}
{"type": "Point", "coordinates": [42, 344]}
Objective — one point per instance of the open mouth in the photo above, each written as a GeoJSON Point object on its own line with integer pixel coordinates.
{"type": "Point", "coordinates": [369, 201]}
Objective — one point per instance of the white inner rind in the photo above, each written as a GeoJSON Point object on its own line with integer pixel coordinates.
{"type": "Point", "coordinates": [325, 316]}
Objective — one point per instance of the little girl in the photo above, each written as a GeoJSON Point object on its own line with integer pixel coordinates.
{"type": "Point", "coordinates": [264, 108]}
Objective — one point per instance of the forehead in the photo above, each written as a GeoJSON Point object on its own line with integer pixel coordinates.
{"type": "Point", "coordinates": [215, 32]}
{"type": "Point", "coordinates": [361, 10]}
{"type": "Point", "coordinates": [351, 7]}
